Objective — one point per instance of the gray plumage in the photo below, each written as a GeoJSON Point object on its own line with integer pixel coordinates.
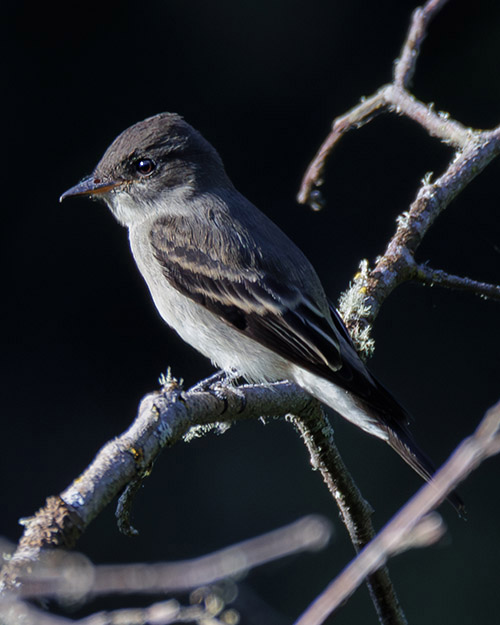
{"type": "Point", "coordinates": [230, 282]}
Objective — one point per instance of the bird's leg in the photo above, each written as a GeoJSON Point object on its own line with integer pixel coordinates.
{"type": "Point", "coordinates": [220, 378]}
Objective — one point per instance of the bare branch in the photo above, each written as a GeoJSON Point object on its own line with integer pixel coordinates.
{"type": "Point", "coordinates": [404, 67]}
{"type": "Point", "coordinates": [359, 306]}
{"type": "Point", "coordinates": [431, 277]}
{"type": "Point", "coordinates": [392, 97]}
{"type": "Point", "coordinates": [355, 118]}
{"type": "Point", "coordinates": [485, 442]}
{"type": "Point", "coordinates": [371, 288]}
{"type": "Point", "coordinates": [73, 580]}
{"type": "Point", "coordinates": [163, 419]}
{"type": "Point", "coordinates": [475, 150]}
{"type": "Point", "coordinates": [437, 123]}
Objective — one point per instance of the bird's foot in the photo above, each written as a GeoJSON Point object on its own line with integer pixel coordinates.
{"type": "Point", "coordinates": [218, 380]}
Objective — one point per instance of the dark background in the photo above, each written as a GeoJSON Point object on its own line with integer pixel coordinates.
{"type": "Point", "coordinates": [83, 342]}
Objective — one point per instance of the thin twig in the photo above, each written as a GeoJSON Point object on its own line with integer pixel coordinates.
{"type": "Point", "coordinates": [432, 277]}
{"type": "Point", "coordinates": [355, 118]}
{"type": "Point", "coordinates": [437, 123]}
{"type": "Point", "coordinates": [404, 67]}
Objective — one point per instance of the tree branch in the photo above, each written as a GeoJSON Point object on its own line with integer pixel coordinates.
{"type": "Point", "coordinates": [370, 288]}
{"type": "Point", "coordinates": [164, 417]}
{"type": "Point", "coordinates": [392, 97]}
{"type": "Point", "coordinates": [432, 277]}
{"type": "Point", "coordinates": [475, 149]}
{"type": "Point", "coordinates": [404, 67]}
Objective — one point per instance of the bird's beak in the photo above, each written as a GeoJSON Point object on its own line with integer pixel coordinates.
{"type": "Point", "coordinates": [90, 186]}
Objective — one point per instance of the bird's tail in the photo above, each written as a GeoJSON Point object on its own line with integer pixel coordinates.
{"type": "Point", "coordinates": [400, 439]}
{"type": "Point", "coordinates": [392, 420]}
{"type": "Point", "coordinates": [374, 410]}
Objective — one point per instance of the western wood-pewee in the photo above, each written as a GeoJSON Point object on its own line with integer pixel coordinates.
{"type": "Point", "coordinates": [230, 282]}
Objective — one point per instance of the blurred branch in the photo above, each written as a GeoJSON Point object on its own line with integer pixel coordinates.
{"type": "Point", "coordinates": [71, 576]}
{"type": "Point", "coordinates": [73, 580]}
{"type": "Point", "coordinates": [161, 613]}
{"type": "Point", "coordinates": [405, 529]}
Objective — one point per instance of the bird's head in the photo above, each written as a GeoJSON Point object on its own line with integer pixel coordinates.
{"type": "Point", "coordinates": [151, 168]}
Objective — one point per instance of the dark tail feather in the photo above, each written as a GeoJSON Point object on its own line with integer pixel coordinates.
{"type": "Point", "coordinates": [402, 442]}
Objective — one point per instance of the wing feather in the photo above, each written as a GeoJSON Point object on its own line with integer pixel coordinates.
{"type": "Point", "coordinates": [253, 301]}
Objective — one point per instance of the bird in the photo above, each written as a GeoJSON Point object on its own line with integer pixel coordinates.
{"type": "Point", "coordinates": [231, 283]}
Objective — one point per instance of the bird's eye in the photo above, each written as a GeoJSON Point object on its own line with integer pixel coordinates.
{"type": "Point", "coordinates": [145, 166]}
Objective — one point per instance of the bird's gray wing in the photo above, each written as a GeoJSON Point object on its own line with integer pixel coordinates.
{"type": "Point", "coordinates": [252, 299]}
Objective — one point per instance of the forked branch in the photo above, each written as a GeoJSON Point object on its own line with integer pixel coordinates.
{"type": "Point", "coordinates": [475, 149]}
